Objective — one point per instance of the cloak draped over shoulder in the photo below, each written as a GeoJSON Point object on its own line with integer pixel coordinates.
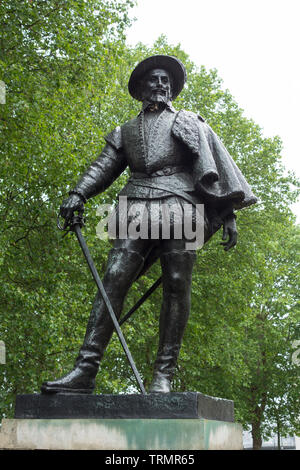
{"type": "Point", "coordinates": [215, 174]}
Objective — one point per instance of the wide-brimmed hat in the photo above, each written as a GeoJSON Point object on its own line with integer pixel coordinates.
{"type": "Point", "coordinates": [169, 63]}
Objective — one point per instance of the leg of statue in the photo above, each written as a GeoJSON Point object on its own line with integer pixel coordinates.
{"type": "Point", "coordinates": [177, 265]}
{"type": "Point", "coordinates": [124, 263]}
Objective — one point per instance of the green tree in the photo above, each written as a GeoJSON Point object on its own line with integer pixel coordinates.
{"type": "Point", "coordinates": [268, 386]}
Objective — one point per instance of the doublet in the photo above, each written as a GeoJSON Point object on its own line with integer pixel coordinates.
{"type": "Point", "coordinates": [155, 156]}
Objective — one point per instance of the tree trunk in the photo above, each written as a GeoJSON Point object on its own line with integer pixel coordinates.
{"type": "Point", "coordinates": [278, 435]}
{"type": "Point", "coordinates": [256, 436]}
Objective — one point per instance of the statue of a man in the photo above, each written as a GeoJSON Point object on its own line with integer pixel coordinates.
{"type": "Point", "coordinates": [174, 158]}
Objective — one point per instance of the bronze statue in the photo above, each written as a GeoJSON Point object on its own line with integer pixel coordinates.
{"type": "Point", "coordinates": [174, 158]}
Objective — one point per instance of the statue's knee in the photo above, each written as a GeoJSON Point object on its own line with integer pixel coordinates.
{"type": "Point", "coordinates": [176, 283]}
{"type": "Point", "coordinates": [122, 267]}
{"type": "Point", "coordinates": [177, 271]}
{"type": "Point", "coordinates": [112, 276]}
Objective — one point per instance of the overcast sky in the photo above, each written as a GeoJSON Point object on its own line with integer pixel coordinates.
{"type": "Point", "coordinates": [254, 45]}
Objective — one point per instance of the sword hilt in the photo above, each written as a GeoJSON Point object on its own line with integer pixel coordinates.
{"type": "Point", "coordinates": [69, 224]}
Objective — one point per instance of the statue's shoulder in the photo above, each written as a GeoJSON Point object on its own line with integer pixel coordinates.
{"type": "Point", "coordinates": [185, 117]}
{"type": "Point", "coordinates": [114, 138]}
{"type": "Point", "coordinates": [131, 123]}
{"type": "Point", "coordinates": [186, 127]}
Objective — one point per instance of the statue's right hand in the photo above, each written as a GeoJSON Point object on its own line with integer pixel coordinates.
{"type": "Point", "coordinates": [70, 205]}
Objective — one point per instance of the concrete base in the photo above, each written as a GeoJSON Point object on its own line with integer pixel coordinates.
{"type": "Point", "coordinates": [120, 434]}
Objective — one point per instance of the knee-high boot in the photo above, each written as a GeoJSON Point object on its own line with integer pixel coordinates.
{"type": "Point", "coordinates": [122, 269]}
{"type": "Point", "coordinates": [177, 269]}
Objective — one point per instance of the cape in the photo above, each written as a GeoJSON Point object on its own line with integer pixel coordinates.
{"type": "Point", "coordinates": [216, 175]}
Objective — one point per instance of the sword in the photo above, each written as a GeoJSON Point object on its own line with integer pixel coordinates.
{"type": "Point", "coordinates": [75, 226]}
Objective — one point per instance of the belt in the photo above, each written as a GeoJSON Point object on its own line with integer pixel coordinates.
{"type": "Point", "coordinates": [166, 171]}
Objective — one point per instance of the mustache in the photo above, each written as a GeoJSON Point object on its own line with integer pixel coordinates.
{"type": "Point", "coordinates": [159, 90]}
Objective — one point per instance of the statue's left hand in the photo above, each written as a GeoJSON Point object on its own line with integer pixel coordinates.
{"type": "Point", "coordinates": [230, 232]}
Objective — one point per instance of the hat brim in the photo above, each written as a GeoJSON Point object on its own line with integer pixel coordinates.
{"type": "Point", "coordinates": [169, 63]}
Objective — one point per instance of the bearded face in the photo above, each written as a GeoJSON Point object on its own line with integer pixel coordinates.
{"type": "Point", "coordinates": [156, 86]}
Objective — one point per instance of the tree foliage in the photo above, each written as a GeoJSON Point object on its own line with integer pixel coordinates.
{"type": "Point", "coordinates": [66, 68]}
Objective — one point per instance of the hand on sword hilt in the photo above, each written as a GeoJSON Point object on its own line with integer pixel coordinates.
{"type": "Point", "coordinates": [72, 205]}
{"type": "Point", "coordinates": [69, 223]}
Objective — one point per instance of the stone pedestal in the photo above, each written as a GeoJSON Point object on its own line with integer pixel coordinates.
{"type": "Point", "coordinates": [187, 405]}
{"type": "Point", "coordinates": [175, 421]}
{"type": "Point", "coordinates": [120, 434]}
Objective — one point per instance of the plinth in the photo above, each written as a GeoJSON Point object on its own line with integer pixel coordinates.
{"type": "Point", "coordinates": [173, 421]}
